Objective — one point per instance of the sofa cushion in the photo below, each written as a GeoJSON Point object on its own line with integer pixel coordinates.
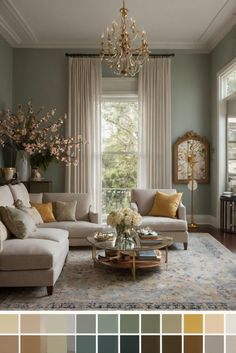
{"type": "Point", "coordinates": [83, 202]}
{"type": "Point", "coordinates": [19, 192]}
{"type": "Point", "coordinates": [36, 198]}
{"type": "Point", "coordinates": [54, 234]}
{"type": "Point", "coordinates": [45, 211]}
{"type": "Point", "coordinates": [164, 224]}
{"type": "Point", "coordinates": [165, 205]}
{"type": "Point", "coordinates": [34, 253]}
{"type": "Point", "coordinates": [19, 223]}
{"type": "Point", "coordinates": [144, 198]}
{"type": "Point", "coordinates": [6, 198]}
{"type": "Point", "coordinates": [78, 229]}
{"type": "Point", "coordinates": [64, 211]}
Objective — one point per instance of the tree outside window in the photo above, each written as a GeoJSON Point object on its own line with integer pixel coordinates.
{"type": "Point", "coordinates": [119, 153]}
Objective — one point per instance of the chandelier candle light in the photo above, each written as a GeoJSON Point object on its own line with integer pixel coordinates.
{"type": "Point", "coordinates": [124, 49]}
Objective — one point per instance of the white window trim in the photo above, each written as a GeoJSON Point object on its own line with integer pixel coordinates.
{"type": "Point", "coordinates": [221, 136]}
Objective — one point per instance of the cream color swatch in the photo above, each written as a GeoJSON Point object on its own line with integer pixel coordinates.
{"type": "Point", "coordinates": [8, 323]}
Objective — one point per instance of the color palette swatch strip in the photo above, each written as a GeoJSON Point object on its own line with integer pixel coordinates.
{"type": "Point", "coordinates": [124, 332]}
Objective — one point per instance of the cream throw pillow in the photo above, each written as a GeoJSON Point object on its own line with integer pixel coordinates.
{"type": "Point", "coordinates": [3, 235]}
{"type": "Point", "coordinates": [65, 211]}
{"type": "Point", "coordinates": [165, 205]}
{"type": "Point", "coordinates": [32, 211]}
{"type": "Point", "coordinates": [19, 223]}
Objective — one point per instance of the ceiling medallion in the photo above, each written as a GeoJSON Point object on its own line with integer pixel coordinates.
{"type": "Point", "coordinates": [125, 48]}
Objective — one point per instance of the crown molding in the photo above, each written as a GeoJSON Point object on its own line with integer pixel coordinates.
{"type": "Point", "coordinates": [221, 34]}
{"type": "Point", "coordinates": [8, 32]}
{"type": "Point", "coordinates": [15, 13]}
{"type": "Point", "coordinates": [194, 47]}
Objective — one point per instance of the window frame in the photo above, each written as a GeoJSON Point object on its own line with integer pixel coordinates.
{"type": "Point", "coordinates": [118, 97]}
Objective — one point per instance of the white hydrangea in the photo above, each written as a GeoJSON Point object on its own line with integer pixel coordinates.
{"type": "Point", "coordinates": [125, 217]}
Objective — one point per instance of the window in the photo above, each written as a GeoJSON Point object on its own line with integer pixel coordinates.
{"type": "Point", "coordinates": [119, 152]}
{"type": "Point", "coordinates": [231, 147]}
{"type": "Point", "coordinates": [229, 82]}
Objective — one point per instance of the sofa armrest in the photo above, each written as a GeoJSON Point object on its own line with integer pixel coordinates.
{"type": "Point", "coordinates": [134, 206]}
{"type": "Point", "coordinates": [182, 212]}
{"type": "Point", "coordinates": [1, 245]}
{"type": "Point", "coordinates": [93, 217]}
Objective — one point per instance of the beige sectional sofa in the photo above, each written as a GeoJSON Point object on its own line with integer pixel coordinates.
{"type": "Point", "coordinates": [39, 259]}
{"type": "Point", "coordinates": [142, 201]}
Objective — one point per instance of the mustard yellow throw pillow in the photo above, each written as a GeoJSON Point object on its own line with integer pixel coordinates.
{"type": "Point", "coordinates": [45, 211]}
{"type": "Point", "coordinates": [165, 205]}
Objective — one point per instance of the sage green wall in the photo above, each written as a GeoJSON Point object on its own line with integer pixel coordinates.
{"type": "Point", "coordinates": [223, 53]}
{"type": "Point", "coordinates": [6, 66]}
{"type": "Point", "coordinates": [191, 111]}
{"type": "Point", "coordinates": [42, 75]}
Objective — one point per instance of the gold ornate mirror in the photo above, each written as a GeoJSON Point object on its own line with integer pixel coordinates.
{"type": "Point", "coordinates": [191, 159]}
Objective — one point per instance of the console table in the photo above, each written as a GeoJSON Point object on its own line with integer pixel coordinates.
{"type": "Point", "coordinates": [228, 214]}
{"type": "Point", "coordinates": [34, 186]}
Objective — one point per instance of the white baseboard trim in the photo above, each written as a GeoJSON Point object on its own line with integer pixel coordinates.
{"type": "Point", "coordinates": [205, 219]}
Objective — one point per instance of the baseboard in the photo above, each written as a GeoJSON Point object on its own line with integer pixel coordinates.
{"type": "Point", "coordinates": [205, 219]}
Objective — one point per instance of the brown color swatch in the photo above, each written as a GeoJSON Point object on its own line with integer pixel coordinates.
{"type": "Point", "coordinates": [193, 344]}
{"type": "Point", "coordinates": [37, 343]}
{"type": "Point", "coordinates": [150, 344]}
{"type": "Point", "coordinates": [171, 344]}
{"type": "Point", "coordinates": [9, 344]}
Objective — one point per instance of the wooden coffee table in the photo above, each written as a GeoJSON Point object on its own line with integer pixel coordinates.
{"type": "Point", "coordinates": [141, 255]}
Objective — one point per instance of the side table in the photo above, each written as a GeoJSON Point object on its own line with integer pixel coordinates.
{"type": "Point", "coordinates": [228, 214]}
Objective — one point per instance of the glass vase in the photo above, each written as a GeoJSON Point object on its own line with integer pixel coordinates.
{"type": "Point", "coordinates": [23, 168]}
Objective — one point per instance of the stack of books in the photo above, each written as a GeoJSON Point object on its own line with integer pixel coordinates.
{"type": "Point", "coordinates": [149, 255]}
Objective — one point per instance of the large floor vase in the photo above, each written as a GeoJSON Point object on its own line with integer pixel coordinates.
{"type": "Point", "coordinates": [23, 168]}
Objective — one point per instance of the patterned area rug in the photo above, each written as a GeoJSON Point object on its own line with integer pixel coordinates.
{"type": "Point", "coordinates": [201, 278]}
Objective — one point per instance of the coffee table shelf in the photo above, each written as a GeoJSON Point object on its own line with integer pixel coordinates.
{"type": "Point", "coordinates": [129, 258]}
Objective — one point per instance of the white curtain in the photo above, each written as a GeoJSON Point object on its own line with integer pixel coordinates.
{"type": "Point", "coordinates": [154, 87]}
{"type": "Point", "coordinates": [84, 119]}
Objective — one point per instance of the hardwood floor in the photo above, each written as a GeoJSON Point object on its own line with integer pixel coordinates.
{"type": "Point", "coordinates": [227, 239]}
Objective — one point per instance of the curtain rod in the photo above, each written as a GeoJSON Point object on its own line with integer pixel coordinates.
{"type": "Point", "coordinates": [97, 55]}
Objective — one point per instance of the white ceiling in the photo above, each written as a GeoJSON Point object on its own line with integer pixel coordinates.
{"type": "Point", "coordinates": [170, 24]}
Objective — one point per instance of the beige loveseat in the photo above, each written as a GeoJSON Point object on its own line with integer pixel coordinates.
{"type": "Point", "coordinates": [142, 201]}
{"type": "Point", "coordinates": [39, 259]}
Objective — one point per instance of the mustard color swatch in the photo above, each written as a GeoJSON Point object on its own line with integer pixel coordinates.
{"type": "Point", "coordinates": [193, 323]}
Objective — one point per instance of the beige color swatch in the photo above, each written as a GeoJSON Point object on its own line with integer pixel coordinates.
{"type": "Point", "coordinates": [8, 323]}
{"type": "Point", "coordinates": [214, 323]}
{"type": "Point", "coordinates": [32, 323]}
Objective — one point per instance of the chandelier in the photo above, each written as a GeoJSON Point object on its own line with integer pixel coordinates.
{"type": "Point", "coordinates": [125, 48]}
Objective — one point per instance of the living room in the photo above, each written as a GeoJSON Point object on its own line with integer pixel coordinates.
{"type": "Point", "coordinates": [34, 66]}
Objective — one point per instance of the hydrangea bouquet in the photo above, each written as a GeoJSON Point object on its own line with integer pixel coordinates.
{"type": "Point", "coordinates": [124, 220]}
